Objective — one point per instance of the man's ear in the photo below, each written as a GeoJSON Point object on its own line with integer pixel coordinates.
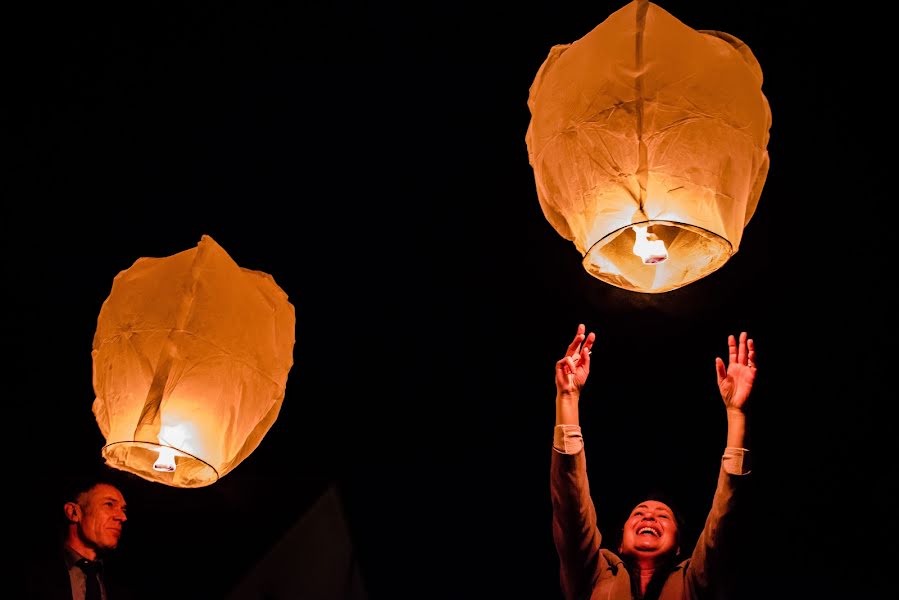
{"type": "Point", "coordinates": [73, 511]}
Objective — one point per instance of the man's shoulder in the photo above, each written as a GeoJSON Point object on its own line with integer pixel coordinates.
{"type": "Point", "coordinates": [43, 560]}
{"type": "Point", "coordinates": [44, 575]}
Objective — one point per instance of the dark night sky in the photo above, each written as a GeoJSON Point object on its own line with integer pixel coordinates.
{"type": "Point", "coordinates": [371, 158]}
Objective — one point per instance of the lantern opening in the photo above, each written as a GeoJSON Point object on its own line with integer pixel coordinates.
{"type": "Point", "coordinates": [690, 253]}
{"type": "Point", "coordinates": [157, 462]}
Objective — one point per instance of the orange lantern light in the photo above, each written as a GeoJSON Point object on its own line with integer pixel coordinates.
{"type": "Point", "coordinates": [648, 141]}
{"type": "Point", "coordinates": [190, 364]}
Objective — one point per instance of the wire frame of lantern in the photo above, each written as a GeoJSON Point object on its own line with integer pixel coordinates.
{"type": "Point", "coordinates": [648, 140]}
{"type": "Point", "coordinates": [190, 363]}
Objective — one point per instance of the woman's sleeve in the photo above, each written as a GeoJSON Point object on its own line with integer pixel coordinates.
{"type": "Point", "coordinates": [715, 543]}
{"type": "Point", "coordinates": [575, 534]}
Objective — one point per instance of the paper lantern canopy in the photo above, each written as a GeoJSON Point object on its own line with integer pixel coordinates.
{"type": "Point", "coordinates": [190, 363]}
{"type": "Point", "coordinates": [648, 141]}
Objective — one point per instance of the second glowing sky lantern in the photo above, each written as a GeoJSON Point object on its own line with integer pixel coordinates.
{"type": "Point", "coordinates": [190, 363]}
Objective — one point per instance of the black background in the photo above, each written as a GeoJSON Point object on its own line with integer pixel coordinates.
{"type": "Point", "coordinates": [371, 158]}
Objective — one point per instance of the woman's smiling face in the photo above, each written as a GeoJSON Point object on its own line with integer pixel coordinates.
{"type": "Point", "coordinates": [650, 531]}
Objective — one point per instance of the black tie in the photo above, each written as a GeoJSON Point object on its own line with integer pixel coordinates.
{"type": "Point", "coordinates": [91, 570]}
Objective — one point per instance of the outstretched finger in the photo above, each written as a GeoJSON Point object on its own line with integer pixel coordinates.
{"type": "Point", "coordinates": [741, 350]}
{"type": "Point", "coordinates": [750, 361]}
{"type": "Point", "coordinates": [587, 349]}
{"type": "Point", "coordinates": [731, 350]}
{"type": "Point", "coordinates": [720, 370]}
{"type": "Point", "coordinates": [575, 344]}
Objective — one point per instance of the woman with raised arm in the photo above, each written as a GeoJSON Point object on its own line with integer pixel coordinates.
{"type": "Point", "coordinates": [648, 564]}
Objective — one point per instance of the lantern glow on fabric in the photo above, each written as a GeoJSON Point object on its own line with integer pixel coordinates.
{"type": "Point", "coordinates": [648, 141]}
{"type": "Point", "coordinates": [190, 364]}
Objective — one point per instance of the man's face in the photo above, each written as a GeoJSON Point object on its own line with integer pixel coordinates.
{"type": "Point", "coordinates": [650, 531]}
{"type": "Point", "coordinates": [101, 516]}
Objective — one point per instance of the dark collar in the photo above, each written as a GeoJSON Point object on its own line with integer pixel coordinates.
{"type": "Point", "coordinates": [71, 557]}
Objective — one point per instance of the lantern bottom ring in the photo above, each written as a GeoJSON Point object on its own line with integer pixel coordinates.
{"type": "Point", "coordinates": [140, 457]}
{"type": "Point", "coordinates": [692, 253]}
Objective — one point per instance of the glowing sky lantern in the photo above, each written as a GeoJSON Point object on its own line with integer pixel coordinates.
{"type": "Point", "coordinates": [648, 141]}
{"type": "Point", "coordinates": [190, 363]}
